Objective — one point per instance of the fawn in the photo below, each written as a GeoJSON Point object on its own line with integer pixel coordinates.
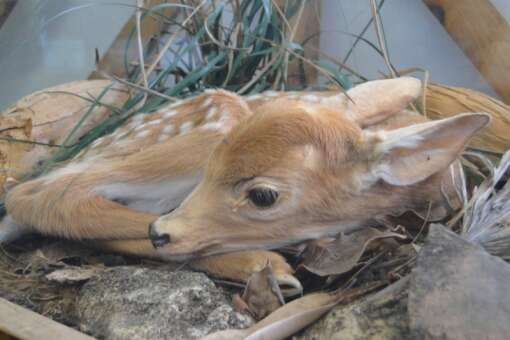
{"type": "Point", "coordinates": [219, 179]}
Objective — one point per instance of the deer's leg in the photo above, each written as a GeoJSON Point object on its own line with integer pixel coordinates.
{"type": "Point", "coordinates": [73, 211]}
{"type": "Point", "coordinates": [239, 267]}
{"type": "Point", "coordinates": [233, 266]}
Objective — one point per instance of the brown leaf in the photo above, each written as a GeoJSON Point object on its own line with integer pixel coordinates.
{"type": "Point", "coordinates": [336, 256]}
{"type": "Point", "coordinates": [285, 321]}
{"type": "Point", "coordinates": [293, 316]}
{"type": "Point", "coordinates": [53, 255]}
{"type": "Point", "coordinates": [240, 305]}
{"type": "Point", "coordinates": [73, 275]}
{"type": "Point", "coordinates": [446, 101]}
{"type": "Point", "coordinates": [262, 293]}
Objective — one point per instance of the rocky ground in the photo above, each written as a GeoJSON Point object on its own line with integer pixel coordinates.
{"type": "Point", "coordinates": [455, 290]}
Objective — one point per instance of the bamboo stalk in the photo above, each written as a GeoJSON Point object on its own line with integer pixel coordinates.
{"type": "Point", "coordinates": [482, 33]}
{"type": "Point", "coordinates": [445, 101]}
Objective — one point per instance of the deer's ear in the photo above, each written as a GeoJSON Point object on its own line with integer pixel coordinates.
{"type": "Point", "coordinates": [374, 101]}
{"type": "Point", "coordinates": [409, 155]}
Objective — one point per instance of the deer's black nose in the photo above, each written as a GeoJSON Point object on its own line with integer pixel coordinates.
{"type": "Point", "coordinates": [158, 240]}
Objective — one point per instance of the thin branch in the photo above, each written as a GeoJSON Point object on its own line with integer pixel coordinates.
{"type": "Point", "coordinates": [26, 141]}
{"type": "Point", "coordinates": [362, 33]}
{"type": "Point", "coordinates": [259, 75]}
{"type": "Point", "coordinates": [338, 63]}
{"type": "Point", "coordinates": [139, 87]}
{"type": "Point", "coordinates": [141, 4]}
{"type": "Point", "coordinates": [380, 37]}
{"type": "Point", "coordinates": [219, 43]}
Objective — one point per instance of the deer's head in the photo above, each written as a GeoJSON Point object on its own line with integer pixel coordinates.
{"type": "Point", "coordinates": [295, 171]}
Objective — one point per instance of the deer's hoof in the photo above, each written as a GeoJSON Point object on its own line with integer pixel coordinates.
{"type": "Point", "coordinates": [289, 285]}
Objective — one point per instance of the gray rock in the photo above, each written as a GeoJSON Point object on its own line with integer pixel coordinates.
{"type": "Point", "coordinates": [141, 303]}
{"type": "Point", "coordinates": [380, 316]}
{"type": "Point", "coordinates": [458, 291]}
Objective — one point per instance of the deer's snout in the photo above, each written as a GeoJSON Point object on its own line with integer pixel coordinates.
{"type": "Point", "coordinates": [158, 239]}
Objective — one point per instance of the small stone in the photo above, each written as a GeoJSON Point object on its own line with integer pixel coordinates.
{"type": "Point", "coordinates": [379, 316]}
{"type": "Point", "coordinates": [142, 303]}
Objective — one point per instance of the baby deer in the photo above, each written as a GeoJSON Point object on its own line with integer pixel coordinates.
{"type": "Point", "coordinates": [217, 179]}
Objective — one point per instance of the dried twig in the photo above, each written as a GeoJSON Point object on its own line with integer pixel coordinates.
{"type": "Point", "coordinates": [380, 37]}
{"type": "Point", "coordinates": [141, 4]}
{"type": "Point", "coordinates": [487, 216]}
{"type": "Point", "coordinates": [141, 88]}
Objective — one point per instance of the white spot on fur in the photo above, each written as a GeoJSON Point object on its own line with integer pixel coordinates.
{"type": "Point", "coordinates": [168, 129]}
{"type": "Point", "coordinates": [337, 100]}
{"type": "Point", "coordinates": [143, 134]}
{"type": "Point", "coordinates": [211, 112]}
{"type": "Point", "coordinates": [212, 126]}
{"type": "Point", "coordinates": [208, 101]}
{"type": "Point", "coordinates": [169, 114]}
{"type": "Point", "coordinates": [310, 98]}
{"type": "Point", "coordinates": [310, 109]}
{"type": "Point", "coordinates": [163, 137]}
{"type": "Point", "coordinates": [122, 135]}
{"type": "Point", "coordinates": [185, 127]}
{"type": "Point", "coordinates": [97, 142]}
{"type": "Point", "coordinates": [138, 118]}
{"type": "Point", "coordinates": [155, 122]}
{"type": "Point", "coordinates": [253, 97]}
{"type": "Point", "coordinates": [136, 121]}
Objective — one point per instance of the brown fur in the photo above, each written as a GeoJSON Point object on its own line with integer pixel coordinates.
{"type": "Point", "coordinates": [317, 154]}
{"type": "Point", "coordinates": [262, 140]}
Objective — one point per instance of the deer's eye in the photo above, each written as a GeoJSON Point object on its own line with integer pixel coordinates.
{"type": "Point", "coordinates": [263, 197]}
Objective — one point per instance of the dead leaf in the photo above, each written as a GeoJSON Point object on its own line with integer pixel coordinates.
{"type": "Point", "coordinates": [240, 305]}
{"type": "Point", "coordinates": [56, 254]}
{"type": "Point", "coordinates": [293, 316]}
{"type": "Point", "coordinates": [337, 256]}
{"type": "Point", "coordinates": [73, 274]}
{"type": "Point", "coordinates": [262, 294]}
